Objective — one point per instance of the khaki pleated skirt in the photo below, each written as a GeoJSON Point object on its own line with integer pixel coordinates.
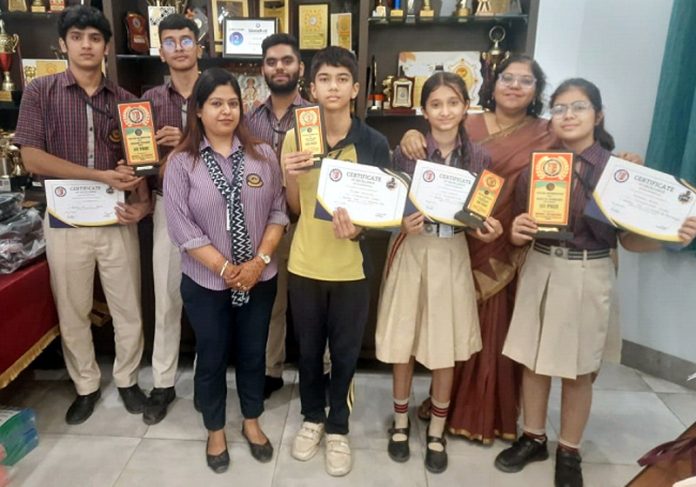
{"type": "Point", "coordinates": [427, 307]}
{"type": "Point", "coordinates": [562, 315]}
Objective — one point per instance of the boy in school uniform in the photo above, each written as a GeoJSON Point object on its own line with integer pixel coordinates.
{"type": "Point", "coordinates": [179, 49]}
{"type": "Point", "coordinates": [329, 292]}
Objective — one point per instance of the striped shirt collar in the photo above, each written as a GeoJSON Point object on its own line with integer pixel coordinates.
{"type": "Point", "coordinates": [433, 151]}
{"type": "Point", "coordinates": [268, 104]}
{"type": "Point", "coordinates": [235, 145]}
{"type": "Point", "coordinates": [66, 78]}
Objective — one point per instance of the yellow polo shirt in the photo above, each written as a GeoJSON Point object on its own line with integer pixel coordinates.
{"type": "Point", "coordinates": [315, 252]}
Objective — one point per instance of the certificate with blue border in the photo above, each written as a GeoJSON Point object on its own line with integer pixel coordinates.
{"type": "Point", "coordinates": [74, 203]}
{"type": "Point", "coordinates": [243, 37]}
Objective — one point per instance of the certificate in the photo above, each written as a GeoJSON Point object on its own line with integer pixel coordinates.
{"type": "Point", "coordinates": [482, 199]}
{"type": "Point", "coordinates": [310, 133]}
{"type": "Point", "coordinates": [313, 26]}
{"type": "Point", "coordinates": [373, 197]}
{"type": "Point", "coordinates": [341, 30]}
{"type": "Point", "coordinates": [644, 201]}
{"type": "Point", "coordinates": [81, 203]}
{"type": "Point", "coordinates": [550, 187]}
{"type": "Point", "coordinates": [243, 37]}
{"type": "Point", "coordinates": [138, 133]}
{"type": "Point", "coordinates": [439, 191]}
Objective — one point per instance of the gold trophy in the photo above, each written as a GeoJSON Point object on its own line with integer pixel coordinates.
{"type": "Point", "coordinates": [17, 6]}
{"type": "Point", "coordinates": [8, 45]}
{"type": "Point", "coordinates": [462, 9]}
{"type": "Point", "coordinates": [38, 6]}
{"type": "Point", "coordinates": [484, 8]}
{"type": "Point", "coordinates": [426, 11]}
{"type": "Point", "coordinates": [495, 54]}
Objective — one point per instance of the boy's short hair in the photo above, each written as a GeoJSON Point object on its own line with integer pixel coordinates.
{"type": "Point", "coordinates": [81, 17]}
{"type": "Point", "coordinates": [281, 39]}
{"type": "Point", "coordinates": [338, 57]}
{"type": "Point", "coordinates": [178, 22]}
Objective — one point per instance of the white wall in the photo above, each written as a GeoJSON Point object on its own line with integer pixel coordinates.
{"type": "Point", "coordinates": [619, 45]}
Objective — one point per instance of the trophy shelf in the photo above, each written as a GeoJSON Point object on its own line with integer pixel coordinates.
{"type": "Point", "coordinates": [387, 22]}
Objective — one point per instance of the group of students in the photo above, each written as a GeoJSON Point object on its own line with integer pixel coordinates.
{"type": "Point", "coordinates": [448, 297]}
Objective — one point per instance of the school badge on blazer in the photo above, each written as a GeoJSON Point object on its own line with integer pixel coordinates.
{"type": "Point", "coordinates": [115, 136]}
{"type": "Point", "coordinates": [254, 180]}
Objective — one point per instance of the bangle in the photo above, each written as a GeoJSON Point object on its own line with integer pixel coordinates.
{"type": "Point", "coordinates": [224, 266]}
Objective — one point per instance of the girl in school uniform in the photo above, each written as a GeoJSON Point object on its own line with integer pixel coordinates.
{"type": "Point", "coordinates": [427, 310]}
{"type": "Point", "coordinates": [566, 292]}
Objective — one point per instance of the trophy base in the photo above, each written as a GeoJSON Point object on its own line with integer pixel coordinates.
{"type": "Point", "coordinates": [38, 10]}
{"type": "Point", "coordinates": [469, 219]}
{"type": "Point", "coordinates": [463, 12]}
{"type": "Point", "coordinates": [426, 15]}
{"type": "Point", "coordinates": [6, 95]}
{"type": "Point", "coordinates": [146, 169]}
{"type": "Point", "coordinates": [553, 234]}
{"type": "Point", "coordinates": [396, 15]}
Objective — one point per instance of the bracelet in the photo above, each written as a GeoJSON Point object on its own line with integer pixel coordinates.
{"type": "Point", "coordinates": [224, 266]}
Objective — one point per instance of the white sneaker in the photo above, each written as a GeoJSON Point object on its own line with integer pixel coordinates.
{"type": "Point", "coordinates": [339, 460]}
{"type": "Point", "coordinates": [307, 440]}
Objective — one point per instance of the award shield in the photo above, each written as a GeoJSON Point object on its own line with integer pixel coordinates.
{"type": "Point", "coordinates": [550, 187]}
{"type": "Point", "coordinates": [310, 132]}
{"type": "Point", "coordinates": [138, 134]}
{"type": "Point", "coordinates": [482, 200]}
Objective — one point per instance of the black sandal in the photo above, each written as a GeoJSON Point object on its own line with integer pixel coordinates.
{"type": "Point", "coordinates": [399, 451]}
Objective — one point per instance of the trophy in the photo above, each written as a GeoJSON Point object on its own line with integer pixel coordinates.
{"type": "Point", "coordinates": [387, 92]}
{"type": "Point", "coordinates": [396, 13]}
{"type": "Point", "coordinates": [380, 9]}
{"type": "Point", "coordinates": [495, 54]}
{"type": "Point", "coordinates": [426, 11]}
{"type": "Point", "coordinates": [8, 45]}
{"type": "Point", "coordinates": [484, 8]}
{"type": "Point", "coordinates": [462, 9]}
{"type": "Point", "coordinates": [410, 11]}
{"type": "Point", "coordinates": [29, 74]}
{"type": "Point", "coordinates": [17, 6]}
{"type": "Point", "coordinates": [38, 6]}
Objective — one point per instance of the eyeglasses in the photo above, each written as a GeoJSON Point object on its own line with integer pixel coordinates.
{"type": "Point", "coordinates": [509, 79]}
{"type": "Point", "coordinates": [186, 43]}
{"type": "Point", "coordinates": [579, 107]}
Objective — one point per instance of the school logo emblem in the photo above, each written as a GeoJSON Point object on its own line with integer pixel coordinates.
{"type": "Point", "coordinates": [621, 176]}
{"type": "Point", "coordinates": [254, 181]}
{"type": "Point", "coordinates": [335, 175]}
{"type": "Point", "coordinates": [686, 197]}
{"type": "Point", "coordinates": [60, 191]}
{"type": "Point", "coordinates": [428, 176]}
{"type": "Point", "coordinates": [115, 136]}
{"type": "Point", "coordinates": [391, 184]}
{"type": "Point", "coordinates": [136, 116]}
{"type": "Point", "coordinates": [552, 168]}
{"type": "Point", "coordinates": [550, 187]}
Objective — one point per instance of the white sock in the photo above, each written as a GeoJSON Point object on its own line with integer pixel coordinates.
{"type": "Point", "coordinates": [438, 419]}
{"type": "Point", "coordinates": [400, 417]}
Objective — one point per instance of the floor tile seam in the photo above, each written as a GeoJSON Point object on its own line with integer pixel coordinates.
{"type": "Point", "coordinates": [671, 410]}
{"type": "Point", "coordinates": [125, 465]}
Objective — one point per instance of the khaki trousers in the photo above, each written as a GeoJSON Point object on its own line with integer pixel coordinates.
{"type": "Point", "coordinates": [275, 347]}
{"type": "Point", "coordinates": [166, 269]}
{"type": "Point", "coordinates": [73, 254]}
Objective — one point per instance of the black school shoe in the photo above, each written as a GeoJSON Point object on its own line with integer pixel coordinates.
{"type": "Point", "coordinates": [435, 461]}
{"type": "Point", "coordinates": [156, 407]}
{"type": "Point", "coordinates": [568, 469]}
{"type": "Point", "coordinates": [134, 399]}
{"type": "Point", "coordinates": [399, 451]}
{"type": "Point", "coordinates": [82, 408]}
{"type": "Point", "coordinates": [262, 453]}
{"type": "Point", "coordinates": [522, 452]}
{"type": "Point", "coordinates": [271, 384]}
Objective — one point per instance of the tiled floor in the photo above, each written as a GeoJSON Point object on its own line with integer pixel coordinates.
{"type": "Point", "coordinates": [631, 414]}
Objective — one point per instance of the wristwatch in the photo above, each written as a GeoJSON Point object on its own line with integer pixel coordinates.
{"type": "Point", "coordinates": [264, 257]}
